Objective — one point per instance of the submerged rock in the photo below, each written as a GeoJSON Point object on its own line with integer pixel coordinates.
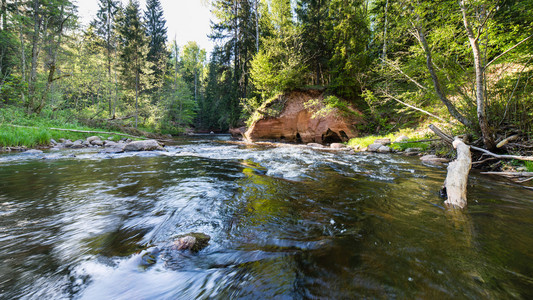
{"type": "Point", "coordinates": [147, 145]}
{"type": "Point", "coordinates": [193, 241]}
{"type": "Point", "coordinates": [434, 160]}
{"type": "Point", "coordinates": [412, 151]}
{"type": "Point", "coordinates": [290, 118]}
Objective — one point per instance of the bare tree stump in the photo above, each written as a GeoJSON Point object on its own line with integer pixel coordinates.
{"type": "Point", "coordinates": [457, 178]}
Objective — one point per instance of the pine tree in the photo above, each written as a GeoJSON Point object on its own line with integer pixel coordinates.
{"type": "Point", "coordinates": [350, 39]}
{"type": "Point", "coordinates": [237, 29]}
{"type": "Point", "coordinates": [105, 27]}
{"type": "Point", "coordinates": [313, 16]}
{"type": "Point", "coordinates": [134, 49]}
{"type": "Point", "coordinates": [157, 33]}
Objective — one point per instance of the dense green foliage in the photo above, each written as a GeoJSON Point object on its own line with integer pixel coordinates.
{"type": "Point", "coordinates": [467, 62]}
{"type": "Point", "coordinates": [120, 68]}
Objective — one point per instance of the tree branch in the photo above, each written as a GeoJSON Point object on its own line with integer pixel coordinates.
{"type": "Point", "coordinates": [400, 70]}
{"type": "Point", "coordinates": [507, 51]}
{"type": "Point", "coordinates": [414, 107]}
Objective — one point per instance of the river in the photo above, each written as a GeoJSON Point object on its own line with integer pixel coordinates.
{"type": "Point", "coordinates": [285, 223]}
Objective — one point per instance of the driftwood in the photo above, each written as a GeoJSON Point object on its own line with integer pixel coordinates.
{"type": "Point", "coordinates": [457, 177]}
{"type": "Point", "coordinates": [506, 141]}
{"type": "Point", "coordinates": [448, 139]}
{"type": "Point", "coordinates": [82, 131]}
{"type": "Point", "coordinates": [510, 174]}
{"type": "Point", "coordinates": [517, 157]}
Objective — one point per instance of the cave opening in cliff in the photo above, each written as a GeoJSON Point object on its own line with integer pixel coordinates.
{"type": "Point", "coordinates": [298, 138]}
{"type": "Point", "coordinates": [331, 137]}
{"type": "Point", "coordinates": [344, 136]}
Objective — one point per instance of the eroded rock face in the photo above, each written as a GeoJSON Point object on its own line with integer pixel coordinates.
{"type": "Point", "coordinates": [296, 123]}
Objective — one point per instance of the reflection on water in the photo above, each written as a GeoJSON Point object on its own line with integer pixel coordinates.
{"type": "Point", "coordinates": [285, 222]}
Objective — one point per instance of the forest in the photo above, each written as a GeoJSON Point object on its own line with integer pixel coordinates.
{"type": "Point", "coordinates": [466, 63]}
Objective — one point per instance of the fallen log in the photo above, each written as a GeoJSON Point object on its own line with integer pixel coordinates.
{"type": "Point", "coordinates": [457, 177]}
{"type": "Point", "coordinates": [448, 139]}
{"type": "Point", "coordinates": [82, 131]}
{"type": "Point", "coordinates": [510, 174]}
{"type": "Point", "coordinates": [501, 156]}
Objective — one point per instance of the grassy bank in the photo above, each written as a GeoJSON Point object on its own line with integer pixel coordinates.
{"type": "Point", "coordinates": [363, 142]}
{"type": "Point", "coordinates": [11, 136]}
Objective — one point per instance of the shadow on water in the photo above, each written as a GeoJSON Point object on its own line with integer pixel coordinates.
{"type": "Point", "coordinates": [285, 222]}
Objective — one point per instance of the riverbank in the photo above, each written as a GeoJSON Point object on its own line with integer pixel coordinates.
{"type": "Point", "coordinates": [19, 131]}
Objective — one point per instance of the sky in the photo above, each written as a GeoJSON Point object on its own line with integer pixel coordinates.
{"type": "Point", "coordinates": [187, 20]}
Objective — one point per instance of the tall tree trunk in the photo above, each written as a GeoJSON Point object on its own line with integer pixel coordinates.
{"type": "Point", "coordinates": [136, 98]}
{"type": "Point", "coordinates": [256, 11]}
{"type": "Point", "coordinates": [52, 63]}
{"type": "Point", "coordinates": [176, 79]}
{"type": "Point", "coordinates": [3, 14]}
{"type": "Point", "coordinates": [486, 133]}
{"type": "Point", "coordinates": [436, 83]}
{"type": "Point", "coordinates": [385, 25]}
{"type": "Point", "coordinates": [22, 49]}
{"type": "Point", "coordinates": [37, 20]}
{"type": "Point", "coordinates": [108, 45]}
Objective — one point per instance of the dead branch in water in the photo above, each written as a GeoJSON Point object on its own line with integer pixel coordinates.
{"type": "Point", "coordinates": [448, 139]}
{"type": "Point", "coordinates": [517, 157]}
{"type": "Point", "coordinates": [510, 174]}
{"type": "Point", "coordinates": [457, 177]}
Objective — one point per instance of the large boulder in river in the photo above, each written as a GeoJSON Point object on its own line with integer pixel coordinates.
{"type": "Point", "coordinates": [147, 145]}
{"type": "Point", "coordinates": [301, 116]}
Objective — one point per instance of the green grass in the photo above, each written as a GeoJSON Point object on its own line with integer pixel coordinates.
{"type": "Point", "coordinates": [11, 136]}
{"type": "Point", "coordinates": [529, 166]}
{"type": "Point", "coordinates": [366, 141]}
{"type": "Point", "coordinates": [363, 142]}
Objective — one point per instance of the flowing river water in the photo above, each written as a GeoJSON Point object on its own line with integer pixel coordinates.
{"type": "Point", "coordinates": [285, 223]}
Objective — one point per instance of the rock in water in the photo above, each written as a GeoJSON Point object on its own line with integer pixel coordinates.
{"type": "Point", "coordinates": [185, 243]}
{"type": "Point", "coordinates": [290, 118]}
{"type": "Point", "coordinates": [374, 147]}
{"type": "Point", "coordinates": [433, 160]}
{"type": "Point", "coordinates": [93, 139]}
{"type": "Point", "coordinates": [77, 144]}
{"type": "Point", "coordinates": [150, 257]}
{"type": "Point", "coordinates": [337, 146]}
{"type": "Point", "coordinates": [148, 145]}
{"type": "Point", "coordinates": [384, 149]}
{"type": "Point", "coordinates": [193, 241]}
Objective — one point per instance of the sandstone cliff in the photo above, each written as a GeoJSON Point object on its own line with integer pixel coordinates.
{"type": "Point", "coordinates": [289, 118]}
